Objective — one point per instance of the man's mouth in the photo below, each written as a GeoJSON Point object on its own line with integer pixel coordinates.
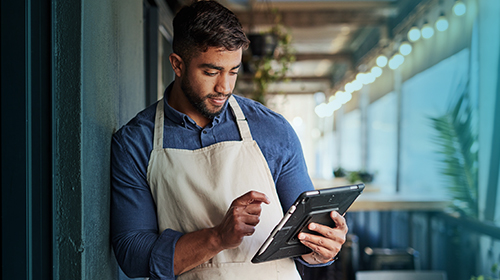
{"type": "Point", "coordinates": [218, 100]}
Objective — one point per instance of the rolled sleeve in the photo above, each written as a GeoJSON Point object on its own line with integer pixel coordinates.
{"type": "Point", "coordinates": [302, 261]}
{"type": "Point", "coordinates": [161, 263]}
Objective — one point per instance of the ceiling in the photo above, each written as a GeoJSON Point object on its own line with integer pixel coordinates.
{"type": "Point", "coordinates": [331, 38]}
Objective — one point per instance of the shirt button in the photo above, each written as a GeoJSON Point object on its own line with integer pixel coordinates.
{"type": "Point", "coordinates": [204, 132]}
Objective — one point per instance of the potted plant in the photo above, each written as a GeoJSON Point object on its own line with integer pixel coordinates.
{"type": "Point", "coordinates": [272, 56]}
{"type": "Point", "coordinates": [456, 139]}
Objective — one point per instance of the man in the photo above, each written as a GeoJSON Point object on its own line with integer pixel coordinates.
{"type": "Point", "coordinates": [200, 178]}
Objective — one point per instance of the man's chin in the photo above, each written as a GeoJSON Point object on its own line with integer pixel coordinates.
{"type": "Point", "coordinates": [213, 110]}
{"type": "Point", "coordinates": [211, 114]}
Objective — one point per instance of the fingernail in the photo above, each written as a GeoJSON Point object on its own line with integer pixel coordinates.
{"type": "Point", "coordinates": [302, 236]}
{"type": "Point", "coordinates": [312, 226]}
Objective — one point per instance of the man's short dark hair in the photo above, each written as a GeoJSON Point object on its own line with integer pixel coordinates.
{"type": "Point", "coordinates": [206, 24]}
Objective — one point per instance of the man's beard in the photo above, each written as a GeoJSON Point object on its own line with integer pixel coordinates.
{"type": "Point", "coordinates": [199, 103]}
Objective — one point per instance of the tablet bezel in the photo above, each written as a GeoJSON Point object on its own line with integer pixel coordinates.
{"type": "Point", "coordinates": [310, 206]}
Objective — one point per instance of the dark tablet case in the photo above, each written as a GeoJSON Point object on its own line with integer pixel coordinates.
{"type": "Point", "coordinates": [311, 206]}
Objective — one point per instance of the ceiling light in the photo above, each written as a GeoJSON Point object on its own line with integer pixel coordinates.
{"type": "Point", "coordinates": [360, 77]}
{"type": "Point", "coordinates": [396, 61]}
{"type": "Point", "coordinates": [349, 87]}
{"type": "Point", "coordinates": [321, 110]}
{"type": "Point", "coordinates": [369, 78]}
{"type": "Point", "coordinates": [365, 78]}
{"type": "Point", "coordinates": [414, 34]}
{"type": "Point", "coordinates": [346, 97]}
{"type": "Point", "coordinates": [405, 48]}
{"type": "Point", "coordinates": [382, 61]}
{"type": "Point", "coordinates": [342, 97]}
{"type": "Point", "coordinates": [333, 106]}
{"type": "Point", "coordinates": [459, 8]}
{"type": "Point", "coordinates": [442, 23]}
{"type": "Point", "coordinates": [427, 31]}
{"type": "Point", "coordinates": [376, 71]}
{"type": "Point", "coordinates": [357, 85]}
{"type": "Point", "coordinates": [330, 108]}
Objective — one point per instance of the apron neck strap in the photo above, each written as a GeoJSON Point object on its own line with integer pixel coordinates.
{"type": "Point", "coordinates": [159, 120]}
{"type": "Point", "coordinates": [241, 121]}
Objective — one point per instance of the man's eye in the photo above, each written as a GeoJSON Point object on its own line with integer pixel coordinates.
{"type": "Point", "coordinates": [234, 73]}
{"type": "Point", "coordinates": [210, 74]}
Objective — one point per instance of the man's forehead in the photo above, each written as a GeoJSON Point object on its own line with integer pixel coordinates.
{"type": "Point", "coordinates": [221, 50]}
{"type": "Point", "coordinates": [218, 56]}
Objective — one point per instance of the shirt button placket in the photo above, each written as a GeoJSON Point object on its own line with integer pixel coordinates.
{"type": "Point", "coordinates": [204, 138]}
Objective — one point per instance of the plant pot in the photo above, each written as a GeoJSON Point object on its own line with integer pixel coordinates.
{"type": "Point", "coordinates": [365, 177]}
{"type": "Point", "coordinates": [262, 44]}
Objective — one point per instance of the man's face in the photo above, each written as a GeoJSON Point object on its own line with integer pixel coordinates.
{"type": "Point", "coordinates": [209, 80]}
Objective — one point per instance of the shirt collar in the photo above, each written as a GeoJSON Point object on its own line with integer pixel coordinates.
{"type": "Point", "coordinates": [183, 119]}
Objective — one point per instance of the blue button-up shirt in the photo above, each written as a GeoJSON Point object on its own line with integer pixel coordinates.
{"type": "Point", "coordinates": [140, 249]}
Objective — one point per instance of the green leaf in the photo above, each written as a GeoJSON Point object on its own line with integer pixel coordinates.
{"type": "Point", "coordinates": [455, 138]}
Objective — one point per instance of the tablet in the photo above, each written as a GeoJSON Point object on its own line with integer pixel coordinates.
{"type": "Point", "coordinates": [311, 206]}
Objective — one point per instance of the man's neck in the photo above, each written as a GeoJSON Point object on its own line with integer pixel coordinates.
{"type": "Point", "coordinates": [179, 102]}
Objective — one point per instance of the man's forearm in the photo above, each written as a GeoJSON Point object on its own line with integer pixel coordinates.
{"type": "Point", "coordinates": [195, 248]}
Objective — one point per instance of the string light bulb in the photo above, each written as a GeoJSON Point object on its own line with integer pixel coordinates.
{"type": "Point", "coordinates": [357, 85]}
{"type": "Point", "coordinates": [369, 78]}
{"type": "Point", "coordinates": [414, 34]}
{"type": "Point", "coordinates": [349, 88]}
{"type": "Point", "coordinates": [360, 77]}
{"type": "Point", "coordinates": [405, 48]}
{"type": "Point", "coordinates": [381, 61]}
{"type": "Point", "coordinates": [376, 71]}
{"type": "Point", "coordinates": [343, 97]}
{"type": "Point", "coordinates": [396, 61]}
{"type": "Point", "coordinates": [459, 8]}
{"type": "Point", "coordinates": [442, 23]}
{"type": "Point", "coordinates": [427, 31]}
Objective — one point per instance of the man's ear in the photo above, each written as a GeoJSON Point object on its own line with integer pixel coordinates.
{"type": "Point", "coordinates": [177, 64]}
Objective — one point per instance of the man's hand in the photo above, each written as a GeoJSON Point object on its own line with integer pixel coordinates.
{"type": "Point", "coordinates": [240, 219]}
{"type": "Point", "coordinates": [195, 248]}
{"type": "Point", "coordinates": [327, 246]}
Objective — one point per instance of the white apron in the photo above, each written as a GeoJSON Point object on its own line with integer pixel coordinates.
{"type": "Point", "coordinates": [194, 189]}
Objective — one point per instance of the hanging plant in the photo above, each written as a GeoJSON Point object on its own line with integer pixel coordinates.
{"type": "Point", "coordinates": [272, 57]}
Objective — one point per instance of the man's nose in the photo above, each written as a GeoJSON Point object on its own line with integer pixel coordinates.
{"type": "Point", "coordinates": [223, 85]}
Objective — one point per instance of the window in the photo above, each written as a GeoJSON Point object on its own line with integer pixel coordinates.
{"type": "Point", "coordinates": [350, 141]}
{"type": "Point", "coordinates": [382, 142]}
{"type": "Point", "coordinates": [428, 94]}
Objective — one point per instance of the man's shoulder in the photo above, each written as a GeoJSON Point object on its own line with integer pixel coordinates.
{"type": "Point", "coordinates": [140, 126]}
{"type": "Point", "coordinates": [255, 110]}
{"type": "Point", "coordinates": [268, 127]}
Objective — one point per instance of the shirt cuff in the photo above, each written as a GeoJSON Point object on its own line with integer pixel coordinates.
{"type": "Point", "coordinates": [161, 263]}
{"type": "Point", "coordinates": [302, 261]}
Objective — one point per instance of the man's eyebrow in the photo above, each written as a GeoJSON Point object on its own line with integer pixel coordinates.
{"type": "Point", "coordinates": [213, 66]}
{"type": "Point", "coordinates": [236, 67]}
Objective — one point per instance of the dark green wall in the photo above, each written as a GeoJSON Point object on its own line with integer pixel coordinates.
{"type": "Point", "coordinates": [67, 140]}
{"type": "Point", "coordinates": [112, 93]}
{"type": "Point", "coordinates": [98, 86]}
